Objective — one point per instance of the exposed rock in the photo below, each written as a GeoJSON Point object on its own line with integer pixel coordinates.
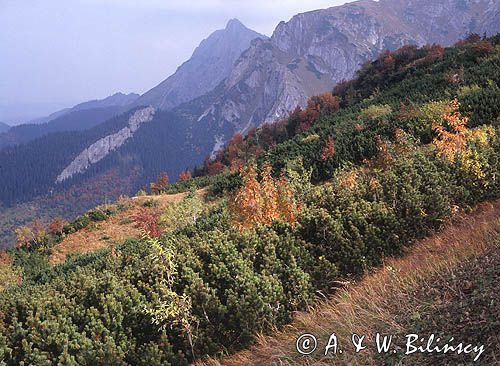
{"type": "Point", "coordinates": [315, 50]}
{"type": "Point", "coordinates": [102, 147]}
{"type": "Point", "coordinates": [210, 63]}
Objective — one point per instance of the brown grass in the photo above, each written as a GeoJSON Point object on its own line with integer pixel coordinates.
{"type": "Point", "coordinates": [114, 230]}
{"type": "Point", "coordinates": [370, 306]}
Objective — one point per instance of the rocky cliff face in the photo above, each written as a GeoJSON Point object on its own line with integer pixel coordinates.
{"type": "Point", "coordinates": [314, 50]}
{"type": "Point", "coordinates": [104, 146]}
{"type": "Point", "coordinates": [210, 63]}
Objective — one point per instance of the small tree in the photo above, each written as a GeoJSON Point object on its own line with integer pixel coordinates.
{"type": "Point", "coordinates": [184, 175]}
{"type": "Point", "coordinates": [452, 134]}
{"type": "Point", "coordinates": [56, 227]}
{"type": "Point", "coordinates": [24, 235]}
{"type": "Point", "coordinates": [247, 203]}
{"type": "Point", "coordinates": [161, 184]}
{"type": "Point", "coordinates": [262, 203]}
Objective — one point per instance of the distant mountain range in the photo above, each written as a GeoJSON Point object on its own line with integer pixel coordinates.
{"type": "Point", "coordinates": [236, 79]}
{"type": "Point", "coordinates": [117, 99]}
{"type": "Point", "coordinates": [4, 127]}
{"type": "Point", "coordinates": [80, 117]}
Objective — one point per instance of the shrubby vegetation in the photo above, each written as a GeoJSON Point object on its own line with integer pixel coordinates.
{"type": "Point", "coordinates": [389, 159]}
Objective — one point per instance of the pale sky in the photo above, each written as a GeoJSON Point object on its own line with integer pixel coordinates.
{"type": "Point", "coordinates": [56, 53]}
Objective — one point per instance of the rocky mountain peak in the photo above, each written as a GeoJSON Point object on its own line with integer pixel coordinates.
{"type": "Point", "coordinates": [314, 50]}
{"type": "Point", "coordinates": [234, 24]}
{"type": "Point", "coordinates": [211, 62]}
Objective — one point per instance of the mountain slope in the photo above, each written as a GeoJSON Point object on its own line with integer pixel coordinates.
{"type": "Point", "coordinates": [117, 99]}
{"type": "Point", "coordinates": [304, 56]}
{"type": "Point", "coordinates": [210, 63]}
{"type": "Point", "coordinates": [314, 50]}
{"type": "Point", "coordinates": [80, 117]}
{"type": "Point", "coordinates": [198, 283]}
{"type": "Point", "coordinates": [3, 127]}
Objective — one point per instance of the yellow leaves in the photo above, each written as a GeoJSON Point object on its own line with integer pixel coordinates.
{"type": "Point", "coordinates": [455, 143]}
{"type": "Point", "coordinates": [471, 163]}
{"type": "Point", "coordinates": [482, 135]}
{"type": "Point", "coordinates": [452, 135]}
{"type": "Point", "coordinates": [311, 138]}
{"type": "Point", "coordinates": [262, 203]}
{"type": "Point", "coordinates": [375, 112]}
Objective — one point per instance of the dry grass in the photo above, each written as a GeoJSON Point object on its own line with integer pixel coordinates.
{"type": "Point", "coordinates": [370, 306]}
{"type": "Point", "coordinates": [112, 231]}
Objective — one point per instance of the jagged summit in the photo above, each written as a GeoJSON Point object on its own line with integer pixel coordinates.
{"type": "Point", "coordinates": [235, 23]}
{"type": "Point", "coordinates": [314, 50]}
{"type": "Point", "coordinates": [211, 62]}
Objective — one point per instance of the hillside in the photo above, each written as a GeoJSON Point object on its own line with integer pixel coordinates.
{"type": "Point", "coordinates": [290, 213]}
{"type": "Point", "coordinates": [445, 284]}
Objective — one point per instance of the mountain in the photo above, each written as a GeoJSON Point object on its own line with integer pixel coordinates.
{"type": "Point", "coordinates": [3, 127]}
{"type": "Point", "coordinates": [80, 117]}
{"type": "Point", "coordinates": [117, 99]}
{"type": "Point", "coordinates": [358, 192]}
{"type": "Point", "coordinates": [210, 63]}
{"type": "Point", "coordinates": [317, 49]}
{"type": "Point", "coordinates": [304, 56]}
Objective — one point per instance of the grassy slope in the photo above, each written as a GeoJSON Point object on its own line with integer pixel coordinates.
{"type": "Point", "coordinates": [446, 283]}
{"type": "Point", "coordinates": [115, 230]}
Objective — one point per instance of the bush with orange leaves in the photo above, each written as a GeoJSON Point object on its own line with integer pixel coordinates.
{"type": "Point", "coordinates": [148, 221]}
{"type": "Point", "coordinates": [328, 150]}
{"type": "Point", "coordinates": [452, 135]}
{"type": "Point", "coordinates": [184, 175]}
{"type": "Point", "coordinates": [262, 202]}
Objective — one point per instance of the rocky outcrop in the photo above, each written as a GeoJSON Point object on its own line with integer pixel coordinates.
{"type": "Point", "coordinates": [315, 50]}
{"type": "Point", "coordinates": [210, 63]}
{"type": "Point", "coordinates": [104, 146]}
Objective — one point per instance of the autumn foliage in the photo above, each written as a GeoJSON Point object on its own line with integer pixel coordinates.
{"type": "Point", "coordinates": [161, 183]}
{"type": "Point", "coordinates": [262, 202]}
{"type": "Point", "coordinates": [57, 226]}
{"type": "Point", "coordinates": [328, 150]}
{"type": "Point", "coordinates": [185, 175]}
{"type": "Point", "coordinates": [148, 221]}
{"type": "Point", "coordinates": [240, 150]}
{"type": "Point", "coordinates": [27, 234]}
{"type": "Point", "coordinates": [452, 134]}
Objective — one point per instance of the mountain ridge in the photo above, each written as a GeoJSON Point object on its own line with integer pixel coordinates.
{"type": "Point", "coordinates": [209, 64]}
{"type": "Point", "coordinates": [314, 50]}
{"type": "Point", "coordinates": [79, 117]}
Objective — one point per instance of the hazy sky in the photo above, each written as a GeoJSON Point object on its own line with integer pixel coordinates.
{"type": "Point", "coordinates": [56, 53]}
